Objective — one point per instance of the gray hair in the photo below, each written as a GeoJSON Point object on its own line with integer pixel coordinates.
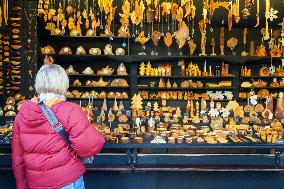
{"type": "Point", "coordinates": [51, 78]}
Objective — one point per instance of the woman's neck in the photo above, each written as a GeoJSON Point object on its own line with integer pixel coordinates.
{"type": "Point", "coordinates": [52, 101]}
{"type": "Point", "coordinates": [51, 98]}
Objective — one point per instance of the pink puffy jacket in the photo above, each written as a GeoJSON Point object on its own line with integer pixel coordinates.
{"type": "Point", "coordinates": [41, 158]}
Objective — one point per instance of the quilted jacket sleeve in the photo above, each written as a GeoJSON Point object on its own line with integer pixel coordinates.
{"type": "Point", "coordinates": [18, 159]}
{"type": "Point", "coordinates": [84, 138]}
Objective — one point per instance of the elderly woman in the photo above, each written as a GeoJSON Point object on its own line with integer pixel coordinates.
{"type": "Point", "coordinates": [41, 157]}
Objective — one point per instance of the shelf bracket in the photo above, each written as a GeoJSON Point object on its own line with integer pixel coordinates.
{"type": "Point", "coordinates": [134, 156]}
{"type": "Point", "coordinates": [277, 157]}
{"type": "Point", "coordinates": [129, 156]}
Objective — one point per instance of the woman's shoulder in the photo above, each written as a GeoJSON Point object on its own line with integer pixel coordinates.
{"type": "Point", "coordinates": [70, 106]}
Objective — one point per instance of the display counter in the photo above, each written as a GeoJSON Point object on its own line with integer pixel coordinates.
{"type": "Point", "coordinates": [163, 166]}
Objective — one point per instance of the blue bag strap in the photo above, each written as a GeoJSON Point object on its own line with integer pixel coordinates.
{"type": "Point", "coordinates": [53, 121]}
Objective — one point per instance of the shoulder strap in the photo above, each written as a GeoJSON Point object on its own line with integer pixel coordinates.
{"type": "Point", "coordinates": [53, 121]}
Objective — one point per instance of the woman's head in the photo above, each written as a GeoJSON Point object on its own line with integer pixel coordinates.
{"type": "Point", "coordinates": [51, 78]}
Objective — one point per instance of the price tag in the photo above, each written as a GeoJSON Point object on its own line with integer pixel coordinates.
{"type": "Point", "coordinates": [80, 50]}
{"type": "Point", "coordinates": [157, 118]}
{"type": "Point", "coordinates": [128, 113]}
{"type": "Point", "coordinates": [267, 127]}
{"type": "Point", "coordinates": [147, 109]}
{"type": "Point", "coordinates": [270, 116]}
{"type": "Point", "coordinates": [172, 121]}
{"type": "Point", "coordinates": [280, 141]}
{"type": "Point", "coordinates": [65, 50]}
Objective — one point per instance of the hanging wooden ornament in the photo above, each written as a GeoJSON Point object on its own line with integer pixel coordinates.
{"type": "Point", "coordinates": [267, 8]}
{"type": "Point", "coordinates": [235, 8]}
{"type": "Point", "coordinates": [182, 34]}
{"type": "Point", "coordinates": [141, 38]}
{"type": "Point", "coordinates": [257, 14]}
{"type": "Point", "coordinates": [222, 41]}
{"type": "Point", "coordinates": [230, 18]}
{"type": "Point", "coordinates": [156, 36]}
{"type": "Point", "coordinates": [168, 39]}
{"type": "Point", "coordinates": [192, 46]}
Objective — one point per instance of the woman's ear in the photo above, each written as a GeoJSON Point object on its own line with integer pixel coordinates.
{"type": "Point", "coordinates": [48, 60]}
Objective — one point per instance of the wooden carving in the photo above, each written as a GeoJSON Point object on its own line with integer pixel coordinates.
{"type": "Point", "coordinates": [215, 5]}
{"type": "Point", "coordinates": [168, 39]}
{"type": "Point", "coordinates": [222, 40]}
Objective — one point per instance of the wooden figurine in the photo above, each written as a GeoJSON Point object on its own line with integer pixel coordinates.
{"type": "Point", "coordinates": [169, 85]}
{"type": "Point", "coordinates": [156, 107]}
{"type": "Point", "coordinates": [260, 51]}
{"type": "Point", "coordinates": [192, 46]}
{"type": "Point", "coordinates": [275, 51]}
{"type": "Point", "coordinates": [279, 113]}
{"type": "Point", "coordinates": [136, 103]}
{"type": "Point", "coordinates": [197, 109]}
{"type": "Point", "coordinates": [202, 25]}
{"type": "Point", "coordinates": [188, 106]}
{"type": "Point", "coordinates": [245, 32]}
{"type": "Point", "coordinates": [115, 106]}
{"type": "Point", "coordinates": [148, 69]}
{"type": "Point", "coordinates": [142, 69]}
{"type": "Point", "coordinates": [191, 109]}
{"type": "Point", "coordinates": [182, 68]}
{"type": "Point", "coordinates": [124, 28]}
{"type": "Point", "coordinates": [251, 48]}
{"type": "Point", "coordinates": [213, 44]}
{"type": "Point", "coordinates": [223, 70]}
{"type": "Point", "coordinates": [161, 83]}
{"type": "Point", "coordinates": [203, 105]}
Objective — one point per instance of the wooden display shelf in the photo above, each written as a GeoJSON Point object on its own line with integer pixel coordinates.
{"type": "Point", "coordinates": [152, 59]}
{"type": "Point", "coordinates": [189, 77]}
{"type": "Point", "coordinates": [100, 99]}
{"type": "Point", "coordinates": [49, 37]}
{"type": "Point", "coordinates": [96, 75]}
{"type": "Point", "coordinates": [264, 77]}
{"type": "Point", "coordinates": [184, 89]}
{"type": "Point", "coordinates": [184, 100]}
{"type": "Point", "coordinates": [87, 59]}
{"type": "Point", "coordinates": [258, 88]}
{"type": "Point", "coordinates": [97, 87]}
{"type": "Point", "coordinates": [7, 117]}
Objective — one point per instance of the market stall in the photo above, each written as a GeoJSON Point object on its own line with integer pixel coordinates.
{"type": "Point", "coordinates": [174, 86]}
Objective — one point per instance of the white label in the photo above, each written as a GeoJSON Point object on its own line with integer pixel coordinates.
{"type": "Point", "coordinates": [122, 69]}
{"type": "Point", "coordinates": [270, 116]}
{"type": "Point", "coordinates": [105, 71]}
{"type": "Point", "coordinates": [80, 50]}
{"type": "Point", "coordinates": [65, 50]}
